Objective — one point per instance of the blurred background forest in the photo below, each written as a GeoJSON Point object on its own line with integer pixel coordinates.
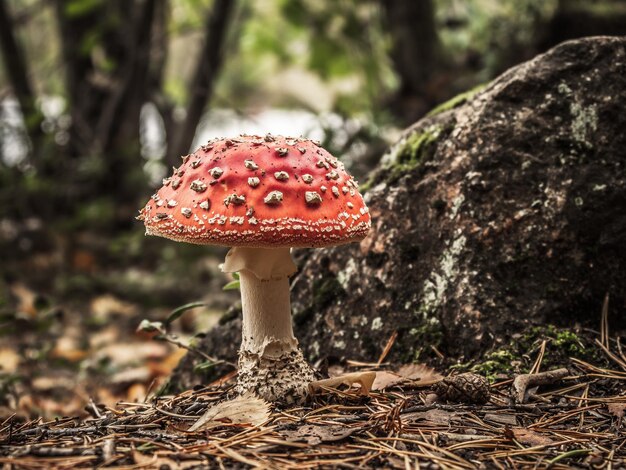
{"type": "Point", "coordinates": [100, 98]}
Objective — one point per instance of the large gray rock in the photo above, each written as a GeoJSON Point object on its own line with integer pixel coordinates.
{"type": "Point", "coordinates": [507, 210]}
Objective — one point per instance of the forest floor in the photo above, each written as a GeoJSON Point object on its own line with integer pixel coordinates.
{"type": "Point", "coordinates": [79, 387]}
{"type": "Point", "coordinates": [575, 419]}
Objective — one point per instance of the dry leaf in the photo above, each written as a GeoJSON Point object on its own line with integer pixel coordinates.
{"type": "Point", "coordinates": [420, 374]}
{"type": "Point", "coordinates": [501, 418]}
{"type": "Point", "coordinates": [434, 416]}
{"type": "Point", "coordinates": [426, 375]}
{"type": "Point", "coordinates": [9, 360]}
{"type": "Point", "coordinates": [68, 348]}
{"type": "Point", "coordinates": [136, 393]}
{"type": "Point", "coordinates": [46, 383]}
{"type": "Point", "coordinates": [130, 376]}
{"type": "Point", "coordinates": [133, 352]}
{"type": "Point", "coordinates": [616, 409]}
{"type": "Point", "coordinates": [105, 306]}
{"type": "Point", "coordinates": [247, 409]}
{"type": "Point", "coordinates": [364, 379]}
{"type": "Point", "coordinates": [528, 437]}
{"type": "Point", "coordinates": [25, 299]}
{"type": "Point", "coordinates": [314, 434]}
{"type": "Point", "coordinates": [158, 460]}
{"type": "Point", "coordinates": [167, 365]}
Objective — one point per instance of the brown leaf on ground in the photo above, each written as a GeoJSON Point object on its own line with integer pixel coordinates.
{"type": "Point", "coordinates": [420, 372]}
{"type": "Point", "coordinates": [616, 409]}
{"type": "Point", "coordinates": [434, 416]}
{"type": "Point", "coordinates": [136, 393]}
{"type": "Point", "coordinates": [364, 379]}
{"type": "Point", "coordinates": [527, 437]}
{"type": "Point", "coordinates": [133, 352]}
{"type": "Point", "coordinates": [158, 460]}
{"type": "Point", "coordinates": [105, 306]}
{"type": "Point", "coordinates": [245, 410]}
{"type": "Point", "coordinates": [51, 407]}
{"type": "Point", "coordinates": [46, 383]}
{"type": "Point", "coordinates": [68, 348]}
{"type": "Point", "coordinates": [508, 419]}
{"type": "Point", "coordinates": [386, 379]}
{"type": "Point", "coordinates": [25, 299]}
{"type": "Point", "coordinates": [9, 360]}
{"type": "Point", "coordinates": [420, 375]}
{"type": "Point", "coordinates": [131, 376]}
{"type": "Point", "coordinates": [314, 434]}
{"type": "Point", "coordinates": [167, 365]}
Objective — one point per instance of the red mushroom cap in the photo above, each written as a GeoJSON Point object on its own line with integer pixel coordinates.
{"type": "Point", "coordinates": [270, 191]}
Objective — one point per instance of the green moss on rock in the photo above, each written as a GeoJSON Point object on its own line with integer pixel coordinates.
{"type": "Point", "coordinates": [457, 101]}
{"type": "Point", "coordinates": [519, 355]}
{"type": "Point", "coordinates": [424, 338]}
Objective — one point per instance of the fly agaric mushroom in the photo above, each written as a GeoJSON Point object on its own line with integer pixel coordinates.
{"type": "Point", "coordinates": [261, 196]}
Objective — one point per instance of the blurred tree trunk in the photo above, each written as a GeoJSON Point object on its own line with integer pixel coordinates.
{"type": "Point", "coordinates": [106, 83]}
{"type": "Point", "coordinates": [579, 18]}
{"type": "Point", "coordinates": [415, 49]}
{"type": "Point", "coordinates": [207, 69]}
{"type": "Point", "coordinates": [114, 54]}
{"type": "Point", "coordinates": [17, 72]}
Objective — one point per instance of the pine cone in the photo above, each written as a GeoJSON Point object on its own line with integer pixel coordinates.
{"type": "Point", "coordinates": [463, 388]}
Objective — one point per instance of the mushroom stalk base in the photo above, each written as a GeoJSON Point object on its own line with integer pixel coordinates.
{"type": "Point", "coordinates": [270, 362]}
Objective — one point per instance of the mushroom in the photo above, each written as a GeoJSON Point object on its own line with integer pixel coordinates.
{"type": "Point", "coordinates": [261, 196]}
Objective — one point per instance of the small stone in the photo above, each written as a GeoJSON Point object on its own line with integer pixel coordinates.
{"type": "Point", "coordinates": [312, 197]}
{"type": "Point", "coordinates": [216, 172]}
{"type": "Point", "coordinates": [253, 181]}
{"type": "Point", "coordinates": [198, 186]}
{"type": "Point", "coordinates": [206, 205]}
{"type": "Point", "coordinates": [281, 175]}
{"type": "Point", "coordinates": [186, 211]}
{"type": "Point", "coordinates": [282, 151]}
{"type": "Point", "coordinates": [335, 191]}
{"type": "Point", "coordinates": [308, 179]}
{"type": "Point", "coordinates": [273, 197]}
{"type": "Point", "coordinates": [250, 165]}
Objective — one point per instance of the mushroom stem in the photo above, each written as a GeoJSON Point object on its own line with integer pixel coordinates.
{"type": "Point", "coordinates": [270, 362]}
{"type": "Point", "coordinates": [266, 328]}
